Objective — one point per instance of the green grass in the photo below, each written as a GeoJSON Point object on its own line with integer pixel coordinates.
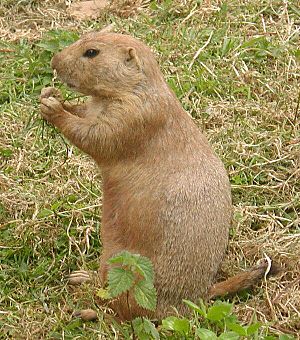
{"type": "Point", "coordinates": [242, 89]}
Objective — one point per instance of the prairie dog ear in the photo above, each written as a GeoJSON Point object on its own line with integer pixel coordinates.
{"type": "Point", "coordinates": [132, 58]}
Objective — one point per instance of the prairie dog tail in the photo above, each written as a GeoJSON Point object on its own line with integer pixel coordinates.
{"type": "Point", "coordinates": [242, 280]}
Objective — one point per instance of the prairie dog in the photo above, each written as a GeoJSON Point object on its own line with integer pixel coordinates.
{"type": "Point", "coordinates": [166, 195]}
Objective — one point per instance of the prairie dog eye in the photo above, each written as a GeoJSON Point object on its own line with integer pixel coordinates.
{"type": "Point", "coordinates": [91, 53]}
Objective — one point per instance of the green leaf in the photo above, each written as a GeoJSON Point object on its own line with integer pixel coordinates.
{"type": "Point", "coordinates": [253, 328]}
{"type": "Point", "coordinates": [72, 198]}
{"type": "Point", "coordinates": [206, 334]}
{"type": "Point", "coordinates": [56, 205]}
{"type": "Point", "coordinates": [103, 294]}
{"type": "Point", "coordinates": [219, 311]}
{"type": "Point", "coordinates": [145, 295]}
{"type": "Point", "coordinates": [231, 318]}
{"type": "Point", "coordinates": [74, 324]}
{"type": "Point", "coordinates": [145, 329]}
{"type": "Point", "coordinates": [124, 257]}
{"type": "Point", "coordinates": [138, 266]}
{"type": "Point", "coordinates": [50, 45]}
{"type": "Point", "coordinates": [6, 153]}
{"type": "Point", "coordinates": [153, 5]}
{"type": "Point", "coordinates": [195, 307]}
{"type": "Point", "coordinates": [119, 281]}
{"type": "Point", "coordinates": [44, 213]}
{"type": "Point", "coordinates": [297, 54]}
{"type": "Point", "coordinates": [145, 268]}
{"type": "Point", "coordinates": [286, 337]}
{"type": "Point", "coordinates": [138, 263]}
{"type": "Point", "coordinates": [175, 324]}
{"type": "Point", "coordinates": [240, 330]}
{"type": "Point", "coordinates": [229, 336]}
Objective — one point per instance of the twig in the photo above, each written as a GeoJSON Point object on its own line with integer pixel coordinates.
{"type": "Point", "coordinates": [190, 14]}
{"type": "Point", "coordinates": [108, 28]}
{"type": "Point", "coordinates": [297, 109]}
{"type": "Point", "coordinates": [286, 288]}
{"type": "Point", "coordinates": [200, 50]}
{"type": "Point", "coordinates": [130, 316]}
{"type": "Point", "coordinates": [6, 50]}
{"type": "Point", "coordinates": [269, 261]}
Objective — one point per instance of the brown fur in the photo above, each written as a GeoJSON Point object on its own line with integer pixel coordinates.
{"type": "Point", "coordinates": [243, 280]}
{"type": "Point", "coordinates": [166, 194]}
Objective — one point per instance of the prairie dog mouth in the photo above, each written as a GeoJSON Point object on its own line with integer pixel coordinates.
{"type": "Point", "coordinates": [67, 82]}
{"type": "Point", "coordinates": [70, 84]}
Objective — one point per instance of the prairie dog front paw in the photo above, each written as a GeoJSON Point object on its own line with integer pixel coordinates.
{"type": "Point", "coordinates": [51, 92]}
{"type": "Point", "coordinates": [51, 108]}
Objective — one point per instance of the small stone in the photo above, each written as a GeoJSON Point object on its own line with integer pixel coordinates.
{"type": "Point", "coordinates": [87, 9]}
{"type": "Point", "coordinates": [78, 277]}
{"type": "Point", "coordinates": [86, 314]}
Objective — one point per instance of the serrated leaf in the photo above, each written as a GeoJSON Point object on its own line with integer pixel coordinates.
{"type": "Point", "coordinates": [145, 268]}
{"type": "Point", "coordinates": [145, 295]}
{"type": "Point", "coordinates": [141, 263]}
{"type": "Point", "coordinates": [150, 328]}
{"type": "Point", "coordinates": [206, 334]}
{"type": "Point", "coordinates": [103, 294]}
{"type": "Point", "coordinates": [138, 263]}
{"type": "Point", "coordinates": [119, 281]}
{"type": "Point", "coordinates": [120, 258]}
{"type": "Point", "coordinates": [240, 330]}
{"type": "Point", "coordinates": [219, 311]}
{"type": "Point", "coordinates": [125, 258]}
{"type": "Point", "coordinates": [176, 324]}
{"type": "Point", "coordinates": [145, 329]}
{"type": "Point", "coordinates": [195, 307]}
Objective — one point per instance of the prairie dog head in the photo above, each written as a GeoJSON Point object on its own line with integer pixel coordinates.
{"type": "Point", "coordinates": [106, 65]}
